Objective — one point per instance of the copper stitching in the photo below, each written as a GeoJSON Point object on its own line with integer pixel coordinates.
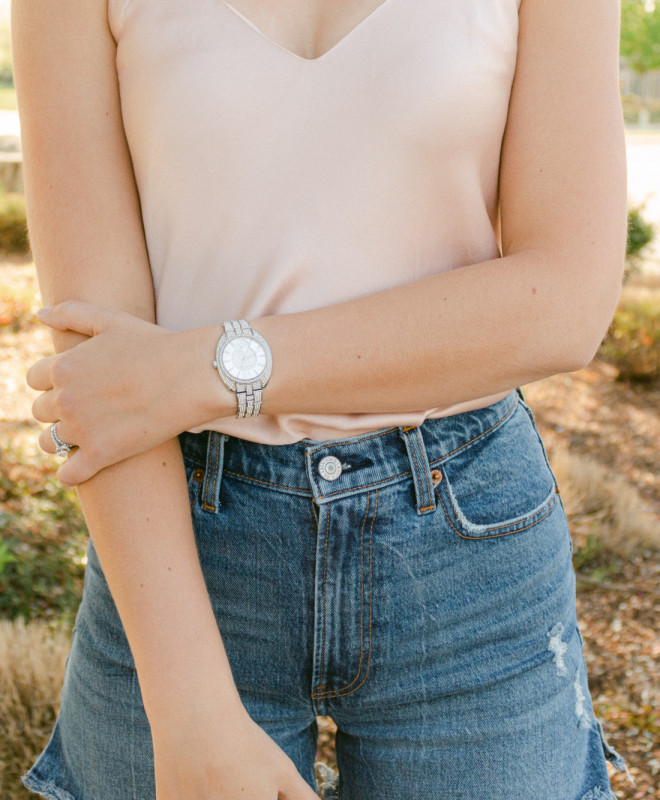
{"type": "Point", "coordinates": [371, 527]}
{"type": "Point", "coordinates": [364, 519]}
{"type": "Point", "coordinates": [364, 485]}
{"type": "Point", "coordinates": [496, 535]}
{"type": "Point", "coordinates": [373, 483]}
{"type": "Point", "coordinates": [435, 461]}
{"type": "Point", "coordinates": [268, 483]}
{"type": "Point", "coordinates": [325, 569]}
{"type": "Point", "coordinates": [503, 525]}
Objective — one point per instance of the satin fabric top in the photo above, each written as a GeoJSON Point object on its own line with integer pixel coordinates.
{"type": "Point", "coordinates": [270, 183]}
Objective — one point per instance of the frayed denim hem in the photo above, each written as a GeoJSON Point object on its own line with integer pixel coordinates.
{"type": "Point", "coordinates": [46, 789]}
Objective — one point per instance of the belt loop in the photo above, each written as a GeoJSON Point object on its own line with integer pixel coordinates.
{"type": "Point", "coordinates": [215, 452]}
{"type": "Point", "coordinates": [419, 465]}
{"type": "Point", "coordinates": [520, 392]}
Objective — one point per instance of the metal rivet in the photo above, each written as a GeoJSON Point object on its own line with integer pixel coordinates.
{"type": "Point", "coordinates": [436, 476]}
{"type": "Point", "coordinates": [198, 475]}
{"type": "Point", "coordinates": [330, 468]}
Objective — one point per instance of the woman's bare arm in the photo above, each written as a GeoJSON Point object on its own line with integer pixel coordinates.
{"type": "Point", "coordinates": [88, 243]}
{"type": "Point", "coordinates": [543, 308]}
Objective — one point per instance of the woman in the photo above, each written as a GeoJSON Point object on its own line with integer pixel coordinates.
{"type": "Point", "coordinates": [407, 210]}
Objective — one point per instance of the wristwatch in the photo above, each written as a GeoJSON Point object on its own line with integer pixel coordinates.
{"type": "Point", "coordinates": [244, 362]}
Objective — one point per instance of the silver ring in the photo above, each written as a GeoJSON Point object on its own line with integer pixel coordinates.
{"type": "Point", "coordinates": [62, 449]}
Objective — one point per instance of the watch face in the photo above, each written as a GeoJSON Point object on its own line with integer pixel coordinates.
{"type": "Point", "coordinates": [244, 359]}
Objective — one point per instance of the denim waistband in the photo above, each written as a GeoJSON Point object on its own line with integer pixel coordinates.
{"type": "Point", "coordinates": [339, 468]}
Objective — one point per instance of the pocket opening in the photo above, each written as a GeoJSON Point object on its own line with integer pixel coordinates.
{"type": "Point", "coordinates": [501, 484]}
{"type": "Point", "coordinates": [472, 530]}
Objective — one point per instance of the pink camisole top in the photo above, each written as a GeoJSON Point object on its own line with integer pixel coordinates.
{"type": "Point", "coordinates": [271, 184]}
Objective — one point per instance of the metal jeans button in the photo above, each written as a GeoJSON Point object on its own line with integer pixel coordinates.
{"type": "Point", "coordinates": [330, 468]}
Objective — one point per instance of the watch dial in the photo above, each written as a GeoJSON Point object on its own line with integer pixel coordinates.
{"type": "Point", "coordinates": [244, 359]}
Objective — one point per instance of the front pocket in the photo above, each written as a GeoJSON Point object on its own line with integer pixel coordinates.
{"type": "Point", "coordinates": [498, 483]}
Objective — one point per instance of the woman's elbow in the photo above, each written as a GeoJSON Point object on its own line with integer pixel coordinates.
{"type": "Point", "coordinates": [580, 328]}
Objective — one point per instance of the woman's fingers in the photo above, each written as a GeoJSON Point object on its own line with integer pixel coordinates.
{"type": "Point", "coordinates": [43, 408]}
{"type": "Point", "coordinates": [98, 390]}
{"type": "Point", "coordinates": [77, 468]}
{"type": "Point", "coordinates": [39, 376]}
{"type": "Point", "coordinates": [74, 315]}
{"type": "Point", "coordinates": [46, 441]}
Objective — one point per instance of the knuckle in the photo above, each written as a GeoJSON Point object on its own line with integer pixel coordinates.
{"type": "Point", "coordinates": [66, 404]}
{"type": "Point", "coordinates": [61, 370]}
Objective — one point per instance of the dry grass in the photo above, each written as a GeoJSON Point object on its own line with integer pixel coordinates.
{"type": "Point", "coordinates": [642, 288]}
{"type": "Point", "coordinates": [608, 502]}
{"type": "Point", "coordinates": [32, 661]}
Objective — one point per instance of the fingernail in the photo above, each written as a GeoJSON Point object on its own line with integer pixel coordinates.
{"type": "Point", "coordinates": [43, 311]}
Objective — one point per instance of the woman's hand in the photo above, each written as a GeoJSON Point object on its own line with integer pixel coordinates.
{"type": "Point", "coordinates": [227, 758]}
{"type": "Point", "coordinates": [130, 387]}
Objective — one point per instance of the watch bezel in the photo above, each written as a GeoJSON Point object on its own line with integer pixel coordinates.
{"type": "Point", "coordinates": [231, 380]}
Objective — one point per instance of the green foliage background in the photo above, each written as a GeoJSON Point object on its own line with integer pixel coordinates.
{"type": "Point", "coordinates": [6, 73]}
{"type": "Point", "coordinates": [640, 35]}
{"type": "Point", "coordinates": [43, 540]}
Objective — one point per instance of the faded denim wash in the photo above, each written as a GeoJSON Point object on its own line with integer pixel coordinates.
{"type": "Point", "coordinates": [424, 599]}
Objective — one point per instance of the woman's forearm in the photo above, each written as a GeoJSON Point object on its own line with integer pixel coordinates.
{"type": "Point", "coordinates": [88, 242]}
{"type": "Point", "coordinates": [464, 334]}
{"type": "Point", "coordinates": [139, 517]}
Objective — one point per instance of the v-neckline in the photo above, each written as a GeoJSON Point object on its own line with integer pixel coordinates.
{"type": "Point", "coordinates": [353, 31]}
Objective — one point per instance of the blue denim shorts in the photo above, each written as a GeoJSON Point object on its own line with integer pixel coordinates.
{"type": "Point", "coordinates": [413, 583]}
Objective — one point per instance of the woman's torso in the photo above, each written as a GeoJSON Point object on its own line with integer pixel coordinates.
{"type": "Point", "coordinates": [272, 184]}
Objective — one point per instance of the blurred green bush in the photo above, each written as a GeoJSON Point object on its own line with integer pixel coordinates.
{"type": "Point", "coordinates": [632, 343]}
{"type": "Point", "coordinates": [43, 540]}
{"type": "Point", "coordinates": [640, 232]}
{"type": "Point", "coordinates": [13, 224]}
